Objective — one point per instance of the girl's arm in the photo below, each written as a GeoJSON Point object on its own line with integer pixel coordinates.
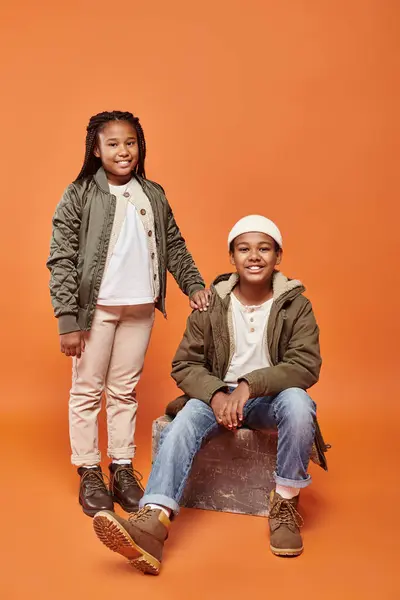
{"type": "Point", "coordinates": [179, 260]}
{"type": "Point", "coordinates": [62, 262]}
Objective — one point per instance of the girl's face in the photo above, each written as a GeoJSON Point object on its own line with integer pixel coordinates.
{"type": "Point", "coordinates": [117, 147]}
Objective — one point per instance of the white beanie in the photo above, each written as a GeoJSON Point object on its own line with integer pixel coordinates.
{"type": "Point", "coordinates": [255, 223]}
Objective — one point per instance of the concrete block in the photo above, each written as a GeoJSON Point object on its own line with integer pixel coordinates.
{"type": "Point", "coordinates": [232, 472]}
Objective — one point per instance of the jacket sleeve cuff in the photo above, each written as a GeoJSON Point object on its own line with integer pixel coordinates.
{"type": "Point", "coordinates": [195, 288]}
{"type": "Point", "coordinates": [254, 390]}
{"type": "Point", "coordinates": [67, 324]}
{"type": "Point", "coordinates": [221, 387]}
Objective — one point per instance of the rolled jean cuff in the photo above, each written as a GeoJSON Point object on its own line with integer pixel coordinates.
{"type": "Point", "coordinates": [161, 500]}
{"type": "Point", "coordinates": [128, 452]}
{"type": "Point", "coordinates": [86, 461]}
{"type": "Point", "coordinates": [294, 483]}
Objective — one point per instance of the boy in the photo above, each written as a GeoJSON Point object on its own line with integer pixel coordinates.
{"type": "Point", "coordinates": [246, 361]}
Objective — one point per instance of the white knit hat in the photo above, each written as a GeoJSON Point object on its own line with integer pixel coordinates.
{"type": "Point", "coordinates": [255, 223]}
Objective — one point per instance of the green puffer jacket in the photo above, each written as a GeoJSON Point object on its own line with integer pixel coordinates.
{"type": "Point", "coordinates": [82, 226]}
{"type": "Point", "coordinates": [292, 338]}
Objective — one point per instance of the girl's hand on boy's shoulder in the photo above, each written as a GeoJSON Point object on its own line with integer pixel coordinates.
{"type": "Point", "coordinates": [200, 300]}
{"type": "Point", "coordinates": [72, 344]}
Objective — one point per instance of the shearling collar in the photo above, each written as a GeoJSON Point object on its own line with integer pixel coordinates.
{"type": "Point", "coordinates": [281, 285]}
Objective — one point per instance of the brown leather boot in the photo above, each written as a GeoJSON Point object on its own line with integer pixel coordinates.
{"type": "Point", "coordinates": [140, 538]}
{"type": "Point", "coordinates": [284, 525]}
{"type": "Point", "coordinates": [125, 486]}
{"type": "Point", "coordinates": [93, 493]}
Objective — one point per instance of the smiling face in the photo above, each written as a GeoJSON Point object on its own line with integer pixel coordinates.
{"type": "Point", "coordinates": [255, 256]}
{"type": "Point", "coordinates": [117, 147]}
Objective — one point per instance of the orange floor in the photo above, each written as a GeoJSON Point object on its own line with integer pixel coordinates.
{"type": "Point", "coordinates": [351, 528]}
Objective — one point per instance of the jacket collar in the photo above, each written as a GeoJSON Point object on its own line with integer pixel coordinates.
{"type": "Point", "coordinates": [283, 288]}
{"type": "Point", "coordinates": [101, 180]}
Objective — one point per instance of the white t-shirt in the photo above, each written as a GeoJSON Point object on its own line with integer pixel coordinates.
{"type": "Point", "coordinates": [127, 280]}
{"type": "Point", "coordinates": [249, 325]}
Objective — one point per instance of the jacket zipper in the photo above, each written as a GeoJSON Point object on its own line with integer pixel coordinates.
{"type": "Point", "coordinates": [162, 267]}
{"type": "Point", "coordinates": [161, 259]}
{"type": "Point", "coordinates": [278, 334]}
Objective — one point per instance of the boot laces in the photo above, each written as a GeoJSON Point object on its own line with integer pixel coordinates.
{"type": "Point", "coordinates": [144, 514]}
{"type": "Point", "coordinates": [285, 513]}
{"type": "Point", "coordinates": [93, 480]}
{"type": "Point", "coordinates": [126, 475]}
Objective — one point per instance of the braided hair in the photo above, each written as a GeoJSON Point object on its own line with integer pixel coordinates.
{"type": "Point", "coordinates": [96, 123]}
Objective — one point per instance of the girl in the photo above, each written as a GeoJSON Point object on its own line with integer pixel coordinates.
{"type": "Point", "coordinates": [114, 237]}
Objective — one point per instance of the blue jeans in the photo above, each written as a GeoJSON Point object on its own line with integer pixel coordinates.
{"type": "Point", "coordinates": [292, 412]}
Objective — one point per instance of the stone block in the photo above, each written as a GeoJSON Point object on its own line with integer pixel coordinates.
{"type": "Point", "coordinates": [232, 472]}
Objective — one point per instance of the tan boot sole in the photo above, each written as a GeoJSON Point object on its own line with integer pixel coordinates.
{"type": "Point", "coordinates": [286, 551]}
{"type": "Point", "coordinates": [114, 536]}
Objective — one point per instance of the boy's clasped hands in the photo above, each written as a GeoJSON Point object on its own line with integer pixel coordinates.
{"type": "Point", "coordinates": [228, 408]}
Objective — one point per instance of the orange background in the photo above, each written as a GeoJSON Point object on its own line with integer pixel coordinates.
{"type": "Point", "coordinates": [290, 109]}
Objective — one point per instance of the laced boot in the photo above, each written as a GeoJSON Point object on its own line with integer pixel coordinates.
{"type": "Point", "coordinates": [125, 486]}
{"type": "Point", "coordinates": [284, 525]}
{"type": "Point", "coordinates": [140, 538]}
{"type": "Point", "coordinates": [93, 493]}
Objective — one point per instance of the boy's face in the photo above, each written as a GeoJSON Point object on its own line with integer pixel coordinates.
{"type": "Point", "coordinates": [255, 257]}
{"type": "Point", "coordinates": [117, 147]}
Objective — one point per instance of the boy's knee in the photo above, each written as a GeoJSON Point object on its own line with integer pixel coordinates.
{"type": "Point", "coordinates": [298, 404]}
{"type": "Point", "coordinates": [194, 409]}
{"type": "Point", "coordinates": [194, 418]}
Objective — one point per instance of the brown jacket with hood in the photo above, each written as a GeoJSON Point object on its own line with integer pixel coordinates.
{"type": "Point", "coordinates": [291, 337]}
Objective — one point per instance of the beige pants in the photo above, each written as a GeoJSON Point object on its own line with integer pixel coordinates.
{"type": "Point", "coordinates": [112, 362]}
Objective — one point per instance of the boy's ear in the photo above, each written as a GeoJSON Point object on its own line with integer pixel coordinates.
{"type": "Point", "coordinates": [231, 259]}
{"type": "Point", "coordinates": [96, 151]}
{"type": "Point", "coordinates": [279, 257]}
